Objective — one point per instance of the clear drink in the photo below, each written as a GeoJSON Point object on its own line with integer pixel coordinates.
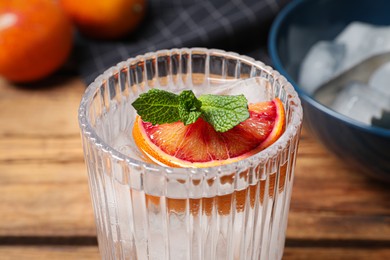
{"type": "Point", "coordinates": [147, 211]}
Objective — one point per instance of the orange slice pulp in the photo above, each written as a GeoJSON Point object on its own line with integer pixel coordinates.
{"type": "Point", "coordinates": [199, 145]}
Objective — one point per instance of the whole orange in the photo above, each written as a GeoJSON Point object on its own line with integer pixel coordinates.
{"type": "Point", "coordinates": [35, 39]}
{"type": "Point", "coordinates": [105, 19]}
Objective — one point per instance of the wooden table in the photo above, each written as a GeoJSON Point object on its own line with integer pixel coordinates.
{"type": "Point", "coordinates": [46, 212]}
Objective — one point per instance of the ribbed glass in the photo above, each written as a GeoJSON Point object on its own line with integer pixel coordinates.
{"type": "Point", "coordinates": [147, 211]}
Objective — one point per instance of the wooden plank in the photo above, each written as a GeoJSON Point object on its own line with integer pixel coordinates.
{"type": "Point", "coordinates": [43, 179]}
{"type": "Point", "coordinates": [40, 110]}
{"type": "Point", "coordinates": [60, 149]}
{"type": "Point", "coordinates": [91, 252]}
{"type": "Point", "coordinates": [332, 200]}
{"type": "Point", "coordinates": [45, 252]}
{"type": "Point", "coordinates": [45, 199]}
{"type": "Point", "coordinates": [318, 225]}
{"type": "Point", "coordinates": [292, 253]}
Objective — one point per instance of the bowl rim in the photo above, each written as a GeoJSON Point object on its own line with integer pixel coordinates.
{"type": "Point", "coordinates": [273, 35]}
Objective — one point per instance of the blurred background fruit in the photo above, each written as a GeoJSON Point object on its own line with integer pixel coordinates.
{"type": "Point", "coordinates": [35, 39]}
{"type": "Point", "coordinates": [105, 19]}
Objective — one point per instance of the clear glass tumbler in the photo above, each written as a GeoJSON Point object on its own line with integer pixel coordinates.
{"type": "Point", "coordinates": [147, 211]}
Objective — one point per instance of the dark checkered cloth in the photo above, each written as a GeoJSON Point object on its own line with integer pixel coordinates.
{"type": "Point", "coordinates": [233, 25]}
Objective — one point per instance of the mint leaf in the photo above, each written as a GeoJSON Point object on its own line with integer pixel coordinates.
{"type": "Point", "coordinates": [157, 106]}
{"type": "Point", "coordinates": [189, 107]}
{"type": "Point", "coordinates": [224, 112]}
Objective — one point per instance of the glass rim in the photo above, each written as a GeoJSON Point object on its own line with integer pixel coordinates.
{"type": "Point", "coordinates": [269, 152]}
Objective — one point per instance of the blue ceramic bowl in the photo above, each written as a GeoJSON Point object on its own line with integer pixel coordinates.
{"type": "Point", "coordinates": [366, 147]}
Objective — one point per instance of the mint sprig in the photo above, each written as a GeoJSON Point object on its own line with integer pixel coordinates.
{"type": "Point", "coordinates": [189, 107]}
{"type": "Point", "coordinates": [222, 112]}
{"type": "Point", "coordinates": [158, 106]}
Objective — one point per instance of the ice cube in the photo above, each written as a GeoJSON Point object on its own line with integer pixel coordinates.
{"type": "Point", "coordinates": [380, 80]}
{"type": "Point", "coordinates": [374, 96]}
{"type": "Point", "coordinates": [328, 59]}
{"type": "Point", "coordinates": [362, 41]}
{"type": "Point", "coordinates": [355, 39]}
{"type": "Point", "coordinates": [124, 143]}
{"type": "Point", "coordinates": [321, 63]}
{"type": "Point", "coordinates": [359, 102]}
{"type": "Point", "coordinates": [255, 89]}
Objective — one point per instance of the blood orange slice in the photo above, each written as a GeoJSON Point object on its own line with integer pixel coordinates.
{"type": "Point", "coordinates": [199, 145]}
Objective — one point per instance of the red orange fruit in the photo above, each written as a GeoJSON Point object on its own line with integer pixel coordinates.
{"type": "Point", "coordinates": [199, 145]}
{"type": "Point", "coordinates": [35, 39]}
{"type": "Point", "coordinates": [105, 19]}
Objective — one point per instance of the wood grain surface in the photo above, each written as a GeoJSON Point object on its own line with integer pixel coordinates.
{"type": "Point", "coordinates": [91, 253]}
{"type": "Point", "coordinates": [45, 208]}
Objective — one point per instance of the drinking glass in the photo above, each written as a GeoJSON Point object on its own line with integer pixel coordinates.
{"type": "Point", "coordinates": [147, 211]}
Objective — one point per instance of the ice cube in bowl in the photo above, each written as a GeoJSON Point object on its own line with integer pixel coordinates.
{"type": "Point", "coordinates": [356, 143]}
{"type": "Point", "coordinates": [359, 102]}
{"type": "Point", "coordinates": [380, 80]}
